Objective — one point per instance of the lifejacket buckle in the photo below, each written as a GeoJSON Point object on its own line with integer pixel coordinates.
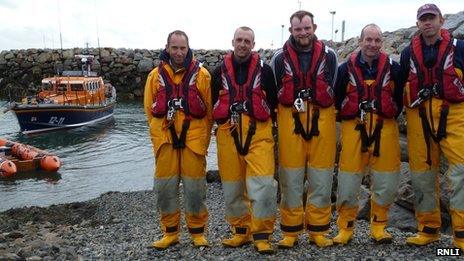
{"type": "Point", "coordinates": [304, 94]}
{"type": "Point", "coordinates": [170, 114]}
{"type": "Point", "coordinates": [176, 103]}
{"type": "Point", "coordinates": [423, 95]}
{"type": "Point", "coordinates": [234, 118]}
{"type": "Point", "coordinates": [238, 107]}
{"type": "Point", "coordinates": [299, 105]}
{"type": "Point", "coordinates": [364, 107]}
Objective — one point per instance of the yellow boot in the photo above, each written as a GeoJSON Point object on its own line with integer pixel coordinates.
{"type": "Point", "coordinates": [263, 247]}
{"type": "Point", "coordinates": [343, 237]}
{"type": "Point", "coordinates": [237, 240]}
{"type": "Point", "coordinates": [200, 240]}
{"type": "Point", "coordinates": [320, 240]}
{"type": "Point", "coordinates": [288, 242]}
{"type": "Point", "coordinates": [166, 241]}
{"type": "Point", "coordinates": [379, 235]}
{"type": "Point", "coordinates": [422, 239]}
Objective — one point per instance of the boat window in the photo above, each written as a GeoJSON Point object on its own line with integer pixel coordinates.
{"type": "Point", "coordinates": [77, 87]}
{"type": "Point", "coordinates": [46, 86]}
{"type": "Point", "coordinates": [62, 87]}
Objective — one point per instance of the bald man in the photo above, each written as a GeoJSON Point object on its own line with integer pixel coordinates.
{"type": "Point", "coordinates": [368, 99]}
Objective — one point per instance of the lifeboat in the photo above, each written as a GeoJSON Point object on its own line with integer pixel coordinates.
{"type": "Point", "coordinates": [27, 158]}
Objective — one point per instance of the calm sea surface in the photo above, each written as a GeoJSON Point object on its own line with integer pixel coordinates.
{"type": "Point", "coordinates": [112, 156]}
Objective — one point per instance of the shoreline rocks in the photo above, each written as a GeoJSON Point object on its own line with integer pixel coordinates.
{"type": "Point", "coordinates": [121, 226]}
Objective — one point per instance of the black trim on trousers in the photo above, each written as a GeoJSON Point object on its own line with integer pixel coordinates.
{"type": "Point", "coordinates": [350, 224]}
{"type": "Point", "coordinates": [429, 230]}
{"type": "Point", "coordinates": [261, 236]}
{"type": "Point", "coordinates": [171, 229]}
{"type": "Point", "coordinates": [241, 230]}
{"type": "Point", "coordinates": [296, 228]}
{"type": "Point", "coordinates": [318, 228]}
{"type": "Point", "coordinates": [459, 234]}
{"type": "Point", "coordinates": [196, 230]}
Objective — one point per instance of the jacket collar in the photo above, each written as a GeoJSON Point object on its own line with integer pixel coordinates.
{"type": "Point", "coordinates": [165, 57]}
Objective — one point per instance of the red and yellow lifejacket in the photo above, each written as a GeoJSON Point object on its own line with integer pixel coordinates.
{"type": "Point", "coordinates": [249, 95]}
{"type": "Point", "coordinates": [359, 90]}
{"type": "Point", "coordinates": [184, 95]}
{"type": "Point", "coordinates": [442, 78]}
{"type": "Point", "coordinates": [314, 80]}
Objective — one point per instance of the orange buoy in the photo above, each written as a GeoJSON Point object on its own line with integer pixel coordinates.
{"type": "Point", "coordinates": [21, 151]}
{"type": "Point", "coordinates": [24, 152]}
{"type": "Point", "coordinates": [7, 168]}
{"type": "Point", "coordinates": [50, 163]}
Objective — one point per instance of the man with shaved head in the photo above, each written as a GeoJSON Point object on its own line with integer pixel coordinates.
{"type": "Point", "coordinates": [244, 99]}
{"type": "Point", "coordinates": [177, 103]}
{"type": "Point", "coordinates": [368, 98]}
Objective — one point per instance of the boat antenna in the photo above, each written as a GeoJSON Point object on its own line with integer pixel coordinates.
{"type": "Point", "coordinates": [61, 38]}
{"type": "Point", "coordinates": [98, 38]}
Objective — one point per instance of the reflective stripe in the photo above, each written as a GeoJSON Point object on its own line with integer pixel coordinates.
{"type": "Point", "coordinates": [320, 186]}
{"type": "Point", "coordinates": [241, 230]}
{"type": "Point", "coordinates": [196, 230]}
{"type": "Point", "coordinates": [455, 175]}
{"type": "Point", "coordinates": [291, 187]}
{"type": "Point", "coordinates": [262, 192]}
{"type": "Point", "coordinates": [261, 236]}
{"type": "Point", "coordinates": [385, 187]}
{"type": "Point", "coordinates": [429, 230]}
{"type": "Point", "coordinates": [167, 194]}
{"type": "Point", "coordinates": [194, 194]}
{"type": "Point", "coordinates": [348, 189]}
{"type": "Point", "coordinates": [171, 229]}
{"type": "Point", "coordinates": [234, 196]}
{"type": "Point", "coordinates": [296, 228]}
{"type": "Point", "coordinates": [423, 184]}
{"type": "Point", "coordinates": [316, 228]}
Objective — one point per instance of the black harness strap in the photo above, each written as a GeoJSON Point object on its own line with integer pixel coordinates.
{"type": "Point", "coordinates": [179, 142]}
{"type": "Point", "coordinates": [367, 140]}
{"type": "Point", "coordinates": [299, 129]}
{"type": "Point", "coordinates": [238, 144]}
{"type": "Point", "coordinates": [427, 130]}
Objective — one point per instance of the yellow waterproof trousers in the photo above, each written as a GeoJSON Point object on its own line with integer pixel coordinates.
{"type": "Point", "coordinates": [425, 177]}
{"type": "Point", "coordinates": [385, 170]}
{"type": "Point", "coordinates": [250, 189]}
{"type": "Point", "coordinates": [172, 166]}
{"type": "Point", "coordinates": [314, 158]}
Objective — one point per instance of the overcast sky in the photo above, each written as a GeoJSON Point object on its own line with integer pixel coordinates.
{"type": "Point", "coordinates": [209, 23]}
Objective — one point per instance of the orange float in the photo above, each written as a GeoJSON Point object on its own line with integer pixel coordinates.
{"type": "Point", "coordinates": [29, 158]}
{"type": "Point", "coordinates": [7, 167]}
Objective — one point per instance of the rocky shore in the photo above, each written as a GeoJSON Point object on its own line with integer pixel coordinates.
{"type": "Point", "coordinates": [122, 226]}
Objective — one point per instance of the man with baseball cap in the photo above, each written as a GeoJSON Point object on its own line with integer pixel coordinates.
{"type": "Point", "coordinates": [432, 67]}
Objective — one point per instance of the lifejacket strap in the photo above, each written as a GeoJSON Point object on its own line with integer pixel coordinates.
{"type": "Point", "coordinates": [427, 133]}
{"type": "Point", "coordinates": [361, 127]}
{"type": "Point", "coordinates": [376, 137]}
{"type": "Point", "coordinates": [314, 123]}
{"type": "Point", "coordinates": [441, 131]}
{"type": "Point", "coordinates": [251, 132]}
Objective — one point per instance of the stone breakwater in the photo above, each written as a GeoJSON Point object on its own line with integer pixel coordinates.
{"type": "Point", "coordinates": [127, 69]}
